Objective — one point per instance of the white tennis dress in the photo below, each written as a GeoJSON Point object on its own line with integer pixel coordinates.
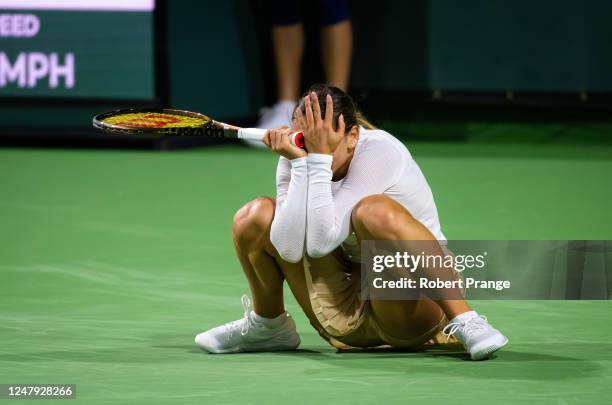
{"type": "Point", "coordinates": [313, 213]}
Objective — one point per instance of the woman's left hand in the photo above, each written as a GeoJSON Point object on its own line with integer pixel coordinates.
{"type": "Point", "coordinates": [319, 134]}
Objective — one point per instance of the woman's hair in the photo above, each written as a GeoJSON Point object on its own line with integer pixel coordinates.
{"type": "Point", "coordinates": [343, 104]}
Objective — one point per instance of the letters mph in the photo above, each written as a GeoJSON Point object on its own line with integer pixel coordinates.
{"type": "Point", "coordinates": [29, 68]}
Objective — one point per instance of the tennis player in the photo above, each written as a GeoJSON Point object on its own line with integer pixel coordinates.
{"type": "Point", "coordinates": [354, 183]}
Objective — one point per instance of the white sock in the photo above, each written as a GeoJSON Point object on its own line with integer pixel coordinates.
{"type": "Point", "coordinates": [465, 316]}
{"type": "Point", "coordinates": [269, 322]}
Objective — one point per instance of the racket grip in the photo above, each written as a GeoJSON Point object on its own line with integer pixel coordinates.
{"type": "Point", "coordinates": [257, 134]}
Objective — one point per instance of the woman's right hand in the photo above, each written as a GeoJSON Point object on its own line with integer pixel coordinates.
{"type": "Point", "coordinates": [278, 141]}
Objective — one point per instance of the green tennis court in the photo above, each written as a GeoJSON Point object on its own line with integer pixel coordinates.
{"type": "Point", "coordinates": [111, 261]}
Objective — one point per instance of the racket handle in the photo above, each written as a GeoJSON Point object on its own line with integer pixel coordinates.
{"type": "Point", "coordinates": [257, 134]}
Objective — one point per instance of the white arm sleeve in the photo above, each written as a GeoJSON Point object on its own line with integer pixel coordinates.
{"type": "Point", "coordinates": [289, 223]}
{"type": "Point", "coordinates": [372, 171]}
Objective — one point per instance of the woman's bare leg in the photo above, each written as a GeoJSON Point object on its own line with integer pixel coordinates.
{"type": "Point", "coordinates": [337, 49]}
{"type": "Point", "coordinates": [381, 218]}
{"type": "Point", "coordinates": [264, 268]}
{"type": "Point", "coordinates": [288, 43]}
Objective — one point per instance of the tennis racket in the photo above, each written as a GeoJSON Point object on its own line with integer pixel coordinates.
{"type": "Point", "coordinates": [171, 122]}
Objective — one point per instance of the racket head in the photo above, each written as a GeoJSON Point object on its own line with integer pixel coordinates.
{"type": "Point", "coordinates": [152, 121]}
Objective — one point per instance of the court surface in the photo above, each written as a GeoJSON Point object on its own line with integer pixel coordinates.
{"type": "Point", "coordinates": [111, 261]}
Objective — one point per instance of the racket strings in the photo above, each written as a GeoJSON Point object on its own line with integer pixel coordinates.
{"type": "Point", "coordinates": [154, 120]}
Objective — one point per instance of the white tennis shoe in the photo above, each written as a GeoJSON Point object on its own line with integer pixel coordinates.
{"type": "Point", "coordinates": [276, 116]}
{"type": "Point", "coordinates": [476, 334]}
{"type": "Point", "coordinates": [249, 335]}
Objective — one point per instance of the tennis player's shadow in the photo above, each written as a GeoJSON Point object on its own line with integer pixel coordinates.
{"type": "Point", "coordinates": [520, 362]}
{"type": "Point", "coordinates": [194, 349]}
{"type": "Point", "coordinates": [507, 363]}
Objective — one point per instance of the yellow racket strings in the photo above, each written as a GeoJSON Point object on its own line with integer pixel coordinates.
{"type": "Point", "coordinates": [154, 120]}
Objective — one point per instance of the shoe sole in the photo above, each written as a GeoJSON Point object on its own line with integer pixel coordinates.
{"type": "Point", "coordinates": [486, 352]}
{"type": "Point", "coordinates": [254, 348]}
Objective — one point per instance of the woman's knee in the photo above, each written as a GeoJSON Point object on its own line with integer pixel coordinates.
{"type": "Point", "coordinates": [252, 222]}
{"type": "Point", "coordinates": [380, 217]}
